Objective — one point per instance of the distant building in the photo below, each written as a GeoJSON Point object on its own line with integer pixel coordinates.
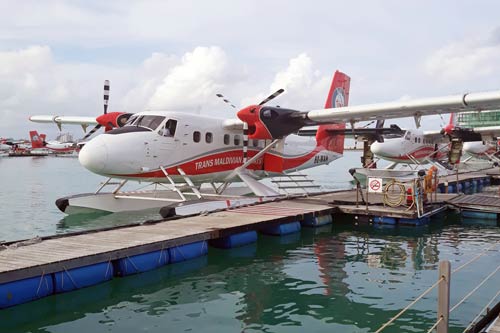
{"type": "Point", "coordinates": [65, 137]}
{"type": "Point", "coordinates": [478, 119]}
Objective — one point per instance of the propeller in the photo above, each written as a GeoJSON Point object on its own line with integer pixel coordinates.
{"type": "Point", "coordinates": [106, 100]}
{"type": "Point", "coordinates": [226, 100]}
{"type": "Point", "coordinates": [272, 96]}
{"type": "Point", "coordinates": [379, 125]}
{"type": "Point", "coordinates": [108, 120]}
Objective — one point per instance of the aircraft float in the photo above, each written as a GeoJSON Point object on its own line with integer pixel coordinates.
{"type": "Point", "coordinates": [185, 150]}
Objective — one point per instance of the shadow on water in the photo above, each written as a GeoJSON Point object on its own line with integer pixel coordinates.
{"type": "Point", "coordinates": [101, 220]}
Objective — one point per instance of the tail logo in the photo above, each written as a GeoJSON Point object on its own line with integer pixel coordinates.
{"type": "Point", "coordinates": [35, 137]}
{"type": "Point", "coordinates": [338, 97]}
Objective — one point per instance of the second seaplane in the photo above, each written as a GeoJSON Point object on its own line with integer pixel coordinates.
{"type": "Point", "coordinates": [182, 151]}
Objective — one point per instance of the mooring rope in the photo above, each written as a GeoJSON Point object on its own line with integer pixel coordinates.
{"type": "Point", "coordinates": [435, 324]}
{"type": "Point", "coordinates": [409, 305]}
{"type": "Point", "coordinates": [70, 277]}
{"type": "Point", "coordinates": [479, 314]}
{"type": "Point", "coordinates": [474, 290]}
{"type": "Point", "coordinates": [476, 257]}
{"type": "Point", "coordinates": [40, 283]}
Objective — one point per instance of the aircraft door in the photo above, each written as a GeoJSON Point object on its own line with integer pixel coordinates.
{"type": "Point", "coordinates": [167, 140]}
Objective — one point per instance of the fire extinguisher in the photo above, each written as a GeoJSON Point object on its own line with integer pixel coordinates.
{"type": "Point", "coordinates": [409, 196]}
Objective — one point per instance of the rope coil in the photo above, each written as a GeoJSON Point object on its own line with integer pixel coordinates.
{"type": "Point", "coordinates": [394, 193]}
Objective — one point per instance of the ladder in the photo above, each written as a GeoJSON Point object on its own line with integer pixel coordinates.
{"type": "Point", "coordinates": [296, 183]}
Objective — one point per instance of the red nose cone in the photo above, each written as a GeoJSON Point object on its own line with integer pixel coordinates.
{"type": "Point", "coordinates": [249, 114]}
{"type": "Point", "coordinates": [448, 128]}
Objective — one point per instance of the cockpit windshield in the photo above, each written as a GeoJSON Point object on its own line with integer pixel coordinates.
{"type": "Point", "coordinates": [130, 121]}
{"type": "Point", "coordinates": [151, 122]}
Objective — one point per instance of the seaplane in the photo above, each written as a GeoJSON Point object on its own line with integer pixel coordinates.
{"type": "Point", "coordinates": [55, 147]}
{"type": "Point", "coordinates": [182, 151]}
{"type": "Point", "coordinates": [416, 147]}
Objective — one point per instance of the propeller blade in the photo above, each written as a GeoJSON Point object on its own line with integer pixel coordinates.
{"type": "Point", "coordinates": [92, 131]}
{"type": "Point", "coordinates": [380, 123]}
{"type": "Point", "coordinates": [106, 96]}
{"type": "Point", "coordinates": [371, 122]}
{"type": "Point", "coordinates": [276, 94]}
{"type": "Point", "coordinates": [226, 100]}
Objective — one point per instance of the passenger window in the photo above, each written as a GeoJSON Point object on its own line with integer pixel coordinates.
{"type": "Point", "coordinates": [208, 137]}
{"type": "Point", "coordinates": [255, 143]}
{"type": "Point", "coordinates": [196, 136]}
{"type": "Point", "coordinates": [226, 139]}
{"type": "Point", "coordinates": [237, 140]}
{"type": "Point", "coordinates": [415, 140]}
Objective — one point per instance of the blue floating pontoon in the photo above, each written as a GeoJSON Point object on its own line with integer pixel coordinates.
{"type": "Point", "coordinates": [235, 240]}
{"type": "Point", "coordinates": [81, 277]}
{"type": "Point", "coordinates": [21, 291]}
{"type": "Point", "coordinates": [188, 251]}
{"type": "Point", "coordinates": [282, 229]}
{"type": "Point", "coordinates": [141, 262]}
{"type": "Point", "coordinates": [316, 221]}
{"type": "Point", "coordinates": [384, 220]}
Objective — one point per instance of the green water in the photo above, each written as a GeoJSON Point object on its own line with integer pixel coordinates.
{"type": "Point", "coordinates": [338, 278]}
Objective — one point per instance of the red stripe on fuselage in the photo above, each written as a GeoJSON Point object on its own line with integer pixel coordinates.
{"type": "Point", "coordinates": [225, 161]}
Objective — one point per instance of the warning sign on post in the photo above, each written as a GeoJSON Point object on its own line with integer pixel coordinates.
{"type": "Point", "coordinates": [375, 185]}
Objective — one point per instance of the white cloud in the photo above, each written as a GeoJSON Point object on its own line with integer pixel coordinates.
{"type": "Point", "coordinates": [194, 82]}
{"type": "Point", "coordinates": [464, 61]}
{"type": "Point", "coordinates": [305, 87]}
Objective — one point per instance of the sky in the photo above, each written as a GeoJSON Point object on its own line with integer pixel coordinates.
{"type": "Point", "coordinates": [176, 55]}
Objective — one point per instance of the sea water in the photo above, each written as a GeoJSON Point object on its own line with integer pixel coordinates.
{"type": "Point", "coordinates": [339, 278]}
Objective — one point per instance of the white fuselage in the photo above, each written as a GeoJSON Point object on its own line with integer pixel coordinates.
{"type": "Point", "coordinates": [201, 147]}
{"type": "Point", "coordinates": [480, 149]}
{"type": "Point", "coordinates": [412, 147]}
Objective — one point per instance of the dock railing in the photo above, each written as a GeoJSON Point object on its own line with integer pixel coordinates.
{"type": "Point", "coordinates": [413, 190]}
{"type": "Point", "coordinates": [443, 284]}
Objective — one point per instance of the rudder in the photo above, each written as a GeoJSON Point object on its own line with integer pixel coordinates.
{"type": "Point", "coordinates": [338, 96]}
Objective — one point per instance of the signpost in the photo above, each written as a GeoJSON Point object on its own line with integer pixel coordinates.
{"type": "Point", "coordinates": [374, 185]}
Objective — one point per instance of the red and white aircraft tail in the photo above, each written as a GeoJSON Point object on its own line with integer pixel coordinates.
{"type": "Point", "coordinates": [338, 96]}
{"type": "Point", "coordinates": [37, 141]}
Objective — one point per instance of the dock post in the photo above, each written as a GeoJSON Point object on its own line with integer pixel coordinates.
{"type": "Point", "coordinates": [443, 297]}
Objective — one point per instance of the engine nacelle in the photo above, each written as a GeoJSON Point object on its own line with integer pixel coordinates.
{"type": "Point", "coordinates": [113, 119]}
{"type": "Point", "coordinates": [268, 123]}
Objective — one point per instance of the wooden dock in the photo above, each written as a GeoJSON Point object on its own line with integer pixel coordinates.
{"type": "Point", "coordinates": [61, 253]}
{"type": "Point", "coordinates": [71, 251]}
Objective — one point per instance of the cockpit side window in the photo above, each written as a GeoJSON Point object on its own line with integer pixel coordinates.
{"type": "Point", "coordinates": [169, 128]}
{"type": "Point", "coordinates": [131, 120]}
{"type": "Point", "coordinates": [407, 136]}
{"type": "Point", "coordinates": [151, 122]}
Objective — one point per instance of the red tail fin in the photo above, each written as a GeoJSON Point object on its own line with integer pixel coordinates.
{"type": "Point", "coordinates": [338, 96]}
{"type": "Point", "coordinates": [36, 140]}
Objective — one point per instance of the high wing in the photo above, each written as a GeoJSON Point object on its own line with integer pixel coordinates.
{"type": "Point", "coordinates": [416, 108]}
{"type": "Point", "coordinates": [60, 120]}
